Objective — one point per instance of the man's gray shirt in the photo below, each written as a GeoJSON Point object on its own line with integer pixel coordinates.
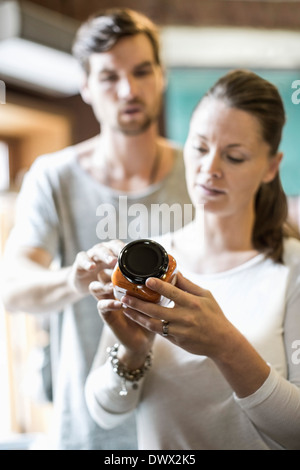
{"type": "Point", "coordinates": [63, 210]}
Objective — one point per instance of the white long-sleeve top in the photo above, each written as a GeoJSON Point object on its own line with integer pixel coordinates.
{"type": "Point", "coordinates": [184, 402]}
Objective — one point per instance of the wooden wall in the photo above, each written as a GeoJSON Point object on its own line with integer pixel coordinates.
{"type": "Point", "coordinates": [263, 13]}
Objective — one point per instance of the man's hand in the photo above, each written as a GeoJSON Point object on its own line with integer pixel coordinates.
{"type": "Point", "coordinates": [95, 265]}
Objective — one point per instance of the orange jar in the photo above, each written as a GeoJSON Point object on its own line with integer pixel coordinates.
{"type": "Point", "coordinates": [138, 261]}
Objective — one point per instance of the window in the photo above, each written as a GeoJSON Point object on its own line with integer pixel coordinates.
{"type": "Point", "coordinates": [187, 85]}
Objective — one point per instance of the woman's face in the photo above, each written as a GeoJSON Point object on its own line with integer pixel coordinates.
{"type": "Point", "coordinates": [226, 158]}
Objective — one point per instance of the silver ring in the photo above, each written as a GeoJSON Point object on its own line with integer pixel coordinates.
{"type": "Point", "coordinates": [165, 328]}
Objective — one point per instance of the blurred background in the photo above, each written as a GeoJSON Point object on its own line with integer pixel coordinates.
{"type": "Point", "coordinates": [41, 111]}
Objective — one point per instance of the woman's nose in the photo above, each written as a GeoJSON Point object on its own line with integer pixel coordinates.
{"type": "Point", "coordinates": [212, 164]}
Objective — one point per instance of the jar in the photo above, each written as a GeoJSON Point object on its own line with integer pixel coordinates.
{"type": "Point", "coordinates": [137, 261]}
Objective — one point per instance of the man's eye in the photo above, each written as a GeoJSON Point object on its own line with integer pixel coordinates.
{"type": "Point", "coordinates": [143, 72]}
{"type": "Point", "coordinates": [200, 149]}
{"type": "Point", "coordinates": [108, 78]}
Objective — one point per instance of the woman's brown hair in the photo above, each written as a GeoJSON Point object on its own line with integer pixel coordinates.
{"type": "Point", "coordinates": [245, 90]}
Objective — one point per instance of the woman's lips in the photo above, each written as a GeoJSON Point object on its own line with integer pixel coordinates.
{"type": "Point", "coordinates": [211, 191]}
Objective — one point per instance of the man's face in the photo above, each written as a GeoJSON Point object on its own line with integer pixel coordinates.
{"type": "Point", "coordinates": [125, 86]}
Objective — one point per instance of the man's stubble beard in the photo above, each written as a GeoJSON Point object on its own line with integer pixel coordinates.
{"type": "Point", "coordinates": [136, 130]}
{"type": "Point", "coordinates": [133, 129]}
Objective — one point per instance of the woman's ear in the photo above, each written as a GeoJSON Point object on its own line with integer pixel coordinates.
{"type": "Point", "coordinates": [274, 164]}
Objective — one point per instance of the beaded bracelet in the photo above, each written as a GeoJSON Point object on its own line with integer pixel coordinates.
{"type": "Point", "coordinates": [131, 375]}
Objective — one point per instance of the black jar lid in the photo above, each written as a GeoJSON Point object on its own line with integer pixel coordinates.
{"type": "Point", "coordinates": [141, 259]}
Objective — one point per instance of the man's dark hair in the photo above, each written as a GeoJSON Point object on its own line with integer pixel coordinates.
{"type": "Point", "coordinates": [104, 29]}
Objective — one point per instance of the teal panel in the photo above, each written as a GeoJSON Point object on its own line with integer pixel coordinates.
{"type": "Point", "coordinates": [187, 86]}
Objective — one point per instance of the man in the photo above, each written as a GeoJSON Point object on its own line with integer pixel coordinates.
{"type": "Point", "coordinates": [87, 193]}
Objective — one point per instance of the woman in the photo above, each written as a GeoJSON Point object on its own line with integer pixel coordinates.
{"type": "Point", "coordinates": [225, 372]}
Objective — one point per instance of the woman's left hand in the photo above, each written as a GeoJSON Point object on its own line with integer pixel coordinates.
{"type": "Point", "coordinates": [196, 322]}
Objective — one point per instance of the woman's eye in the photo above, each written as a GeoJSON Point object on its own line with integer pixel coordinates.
{"type": "Point", "coordinates": [234, 159]}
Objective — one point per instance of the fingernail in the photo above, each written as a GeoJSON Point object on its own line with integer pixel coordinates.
{"type": "Point", "coordinates": [95, 285]}
{"type": "Point", "coordinates": [150, 282]}
{"type": "Point", "coordinates": [125, 301]}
